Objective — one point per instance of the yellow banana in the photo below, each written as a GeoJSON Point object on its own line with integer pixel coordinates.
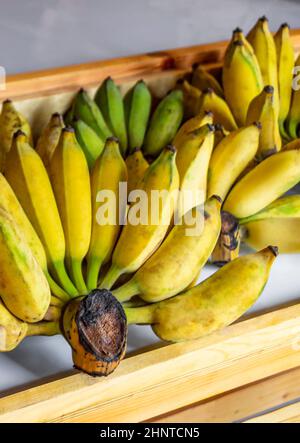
{"type": "Point", "coordinates": [230, 158]}
{"type": "Point", "coordinates": [71, 185]}
{"type": "Point", "coordinates": [209, 101]}
{"type": "Point", "coordinates": [136, 167]}
{"type": "Point", "coordinates": [12, 330]}
{"type": "Point", "coordinates": [284, 207]}
{"type": "Point", "coordinates": [28, 178]}
{"type": "Point", "coordinates": [176, 263]}
{"type": "Point", "coordinates": [242, 79]}
{"type": "Point", "coordinates": [211, 305]}
{"type": "Point", "coordinates": [191, 96]}
{"type": "Point", "coordinates": [23, 285]}
{"type": "Point", "coordinates": [49, 138]}
{"type": "Point", "coordinates": [262, 42]}
{"type": "Point", "coordinates": [285, 65]}
{"type": "Point", "coordinates": [293, 120]}
{"type": "Point", "coordinates": [262, 109]}
{"type": "Point", "coordinates": [109, 171]}
{"type": "Point", "coordinates": [190, 126]}
{"type": "Point", "coordinates": [263, 184]}
{"type": "Point", "coordinates": [202, 79]}
{"type": "Point", "coordinates": [148, 219]}
{"type": "Point", "coordinates": [294, 144]}
{"type": "Point", "coordinates": [220, 134]}
{"type": "Point", "coordinates": [192, 163]}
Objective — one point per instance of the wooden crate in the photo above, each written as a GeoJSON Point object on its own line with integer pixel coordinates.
{"type": "Point", "coordinates": [225, 368]}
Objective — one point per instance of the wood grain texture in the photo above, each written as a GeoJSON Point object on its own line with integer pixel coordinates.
{"type": "Point", "coordinates": [286, 414]}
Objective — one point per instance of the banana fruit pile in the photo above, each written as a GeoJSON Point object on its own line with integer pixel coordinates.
{"type": "Point", "coordinates": [73, 259]}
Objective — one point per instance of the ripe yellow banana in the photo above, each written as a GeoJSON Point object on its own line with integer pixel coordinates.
{"type": "Point", "coordinates": [140, 237]}
{"type": "Point", "coordinates": [293, 120]}
{"type": "Point", "coordinates": [190, 126]}
{"type": "Point", "coordinates": [230, 158]}
{"type": "Point", "coordinates": [262, 109]}
{"type": "Point", "coordinates": [284, 207]}
{"type": "Point", "coordinates": [109, 100]}
{"type": "Point", "coordinates": [109, 171]}
{"type": "Point", "coordinates": [164, 123]}
{"type": "Point", "coordinates": [28, 178]}
{"type": "Point", "coordinates": [180, 258]}
{"type": "Point", "coordinates": [209, 101]}
{"type": "Point", "coordinates": [192, 163]}
{"type": "Point", "coordinates": [263, 184]}
{"type": "Point", "coordinates": [211, 305]}
{"type": "Point", "coordinates": [136, 167]}
{"type": "Point", "coordinates": [23, 285]}
{"type": "Point", "coordinates": [71, 185]}
{"type": "Point", "coordinates": [285, 65]}
{"type": "Point", "coordinates": [49, 138]}
{"type": "Point", "coordinates": [202, 79]}
{"type": "Point", "coordinates": [91, 144]}
{"type": "Point", "coordinates": [191, 96]}
{"type": "Point", "coordinates": [264, 47]}
{"type": "Point", "coordinates": [242, 79]}
{"type": "Point", "coordinates": [12, 330]}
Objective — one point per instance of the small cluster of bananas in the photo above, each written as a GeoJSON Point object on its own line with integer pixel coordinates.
{"type": "Point", "coordinates": [59, 262]}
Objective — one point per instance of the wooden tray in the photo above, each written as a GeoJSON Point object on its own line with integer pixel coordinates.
{"type": "Point", "coordinates": [164, 378]}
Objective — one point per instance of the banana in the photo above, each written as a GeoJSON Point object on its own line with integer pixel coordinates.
{"type": "Point", "coordinates": [191, 96]}
{"type": "Point", "coordinates": [230, 158]}
{"type": "Point", "coordinates": [211, 305]}
{"type": "Point", "coordinates": [293, 119]}
{"type": "Point", "coordinates": [262, 41]}
{"type": "Point", "coordinates": [285, 64]}
{"type": "Point", "coordinates": [192, 162]}
{"type": "Point", "coordinates": [23, 285]}
{"type": "Point", "coordinates": [91, 144]}
{"type": "Point", "coordinates": [202, 80]}
{"type": "Point", "coordinates": [69, 115]}
{"type": "Point", "coordinates": [10, 121]}
{"type": "Point", "coordinates": [263, 184]}
{"type": "Point", "coordinates": [140, 237]}
{"type": "Point", "coordinates": [49, 138]}
{"type": "Point", "coordinates": [284, 207]}
{"type": "Point", "coordinates": [28, 178]}
{"type": "Point", "coordinates": [109, 171]}
{"type": "Point", "coordinates": [12, 330]}
{"type": "Point", "coordinates": [294, 144]}
{"type": "Point", "coordinates": [71, 185]}
{"type": "Point", "coordinates": [86, 109]}
{"type": "Point", "coordinates": [242, 79]}
{"type": "Point", "coordinates": [209, 101]}
{"type": "Point", "coordinates": [137, 106]}
{"type": "Point", "coordinates": [190, 126]}
{"type": "Point", "coordinates": [164, 123]}
{"type": "Point", "coordinates": [10, 204]}
{"type": "Point", "coordinates": [220, 134]}
{"type": "Point", "coordinates": [109, 100]}
{"type": "Point", "coordinates": [136, 167]}
{"type": "Point", "coordinates": [262, 109]}
{"type": "Point", "coordinates": [179, 259]}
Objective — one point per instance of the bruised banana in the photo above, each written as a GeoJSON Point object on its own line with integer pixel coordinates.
{"type": "Point", "coordinates": [136, 167]}
{"type": "Point", "coordinates": [90, 143]}
{"type": "Point", "coordinates": [109, 100]}
{"type": "Point", "coordinates": [285, 65]}
{"type": "Point", "coordinates": [142, 234]}
{"type": "Point", "coordinates": [230, 158]}
{"type": "Point", "coordinates": [49, 138]}
{"type": "Point", "coordinates": [28, 178]}
{"type": "Point", "coordinates": [202, 80]}
{"type": "Point", "coordinates": [242, 79]}
{"type": "Point", "coordinates": [293, 120]}
{"type": "Point", "coordinates": [178, 261]}
{"type": "Point", "coordinates": [23, 285]}
{"type": "Point", "coordinates": [213, 304]}
{"type": "Point", "coordinates": [264, 47]}
{"type": "Point", "coordinates": [209, 101]}
{"type": "Point", "coordinates": [71, 185]}
{"type": "Point", "coordinates": [191, 96]}
{"type": "Point", "coordinates": [109, 171]}
{"type": "Point", "coordinates": [191, 125]}
{"type": "Point", "coordinates": [262, 109]}
{"type": "Point", "coordinates": [192, 162]}
{"type": "Point", "coordinates": [263, 184]}
{"type": "Point", "coordinates": [164, 123]}
{"type": "Point", "coordinates": [137, 106]}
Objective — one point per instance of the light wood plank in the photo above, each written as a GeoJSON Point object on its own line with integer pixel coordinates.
{"type": "Point", "coordinates": [287, 414]}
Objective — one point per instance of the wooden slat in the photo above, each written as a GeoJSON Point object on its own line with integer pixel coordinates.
{"type": "Point", "coordinates": [240, 403]}
{"type": "Point", "coordinates": [287, 414]}
{"type": "Point", "coordinates": [145, 385]}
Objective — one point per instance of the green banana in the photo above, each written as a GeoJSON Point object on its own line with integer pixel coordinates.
{"type": "Point", "coordinates": [49, 138]}
{"type": "Point", "coordinates": [91, 144]}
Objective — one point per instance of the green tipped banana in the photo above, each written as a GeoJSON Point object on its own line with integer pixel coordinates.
{"type": "Point", "coordinates": [284, 207]}
{"type": "Point", "coordinates": [137, 104]}
{"type": "Point", "coordinates": [217, 302]}
{"type": "Point", "coordinates": [110, 102]}
{"type": "Point", "coordinates": [164, 123]}
{"type": "Point", "coordinates": [90, 143]}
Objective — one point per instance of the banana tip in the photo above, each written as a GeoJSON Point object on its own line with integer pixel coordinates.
{"type": "Point", "coordinates": [258, 125]}
{"type": "Point", "coordinates": [68, 129]}
{"type": "Point", "coordinates": [237, 30]}
{"type": "Point", "coordinates": [269, 89]}
{"type": "Point", "coordinates": [274, 250]}
{"type": "Point", "coordinates": [217, 197]}
{"type": "Point", "coordinates": [171, 148]}
{"type": "Point", "coordinates": [18, 133]}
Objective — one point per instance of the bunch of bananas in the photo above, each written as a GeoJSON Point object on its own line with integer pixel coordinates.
{"type": "Point", "coordinates": [75, 261]}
